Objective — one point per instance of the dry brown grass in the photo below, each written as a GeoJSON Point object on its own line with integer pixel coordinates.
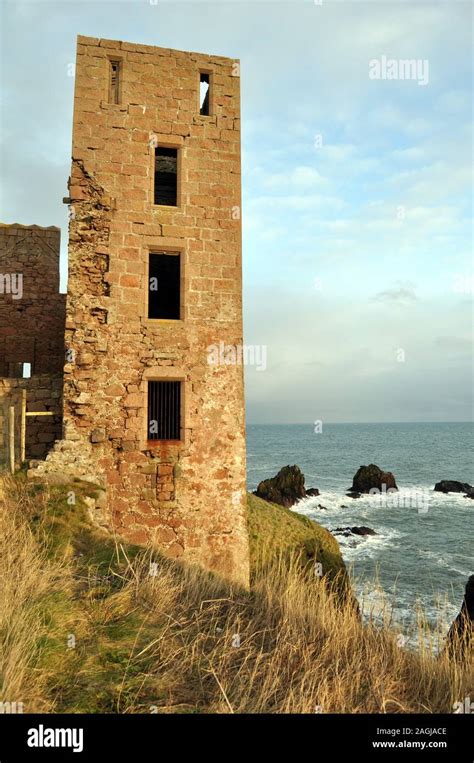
{"type": "Point", "coordinates": [300, 651]}
{"type": "Point", "coordinates": [184, 641]}
{"type": "Point", "coordinates": [29, 582]}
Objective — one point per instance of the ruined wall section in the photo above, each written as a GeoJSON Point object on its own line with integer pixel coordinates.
{"type": "Point", "coordinates": [32, 318]}
{"type": "Point", "coordinates": [87, 329]}
{"type": "Point", "coordinates": [86, 332]}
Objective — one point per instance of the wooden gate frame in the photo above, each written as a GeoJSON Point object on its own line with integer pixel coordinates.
{"type": "Point", "coordinates": [11, 431]}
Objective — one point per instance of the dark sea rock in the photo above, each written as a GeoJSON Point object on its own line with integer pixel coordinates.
{"type": "Point", "coordinates": [346, 531]}
{"type": "Point", "coordinates": [470, 493]}
{"type": "Point", "coordinates": [285, 489]}
{"type": "Point", "coordinates": [452, 486]}
{"type": "Point", "coordinates": [352, 494]}
{"type": "Point", "coordinates": [460, 634]}
{"type": "Point", "coordinates": [370, 477]}
{"type": "Point", "coordinates": [312, 491]}
{"type": "Point", "coordinates": [362, 530]}
{"type": "Point", "coordinates": [343, 506]}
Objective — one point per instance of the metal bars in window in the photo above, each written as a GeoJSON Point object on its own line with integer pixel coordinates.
{"type": "Point", "coordinates": [164, 410]}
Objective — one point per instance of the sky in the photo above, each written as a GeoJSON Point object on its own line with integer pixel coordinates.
{"type": "Point", "coordinates": [357, 190]}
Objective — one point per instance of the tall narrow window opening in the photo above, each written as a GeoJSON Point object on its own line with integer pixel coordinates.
{"type": "Point", "coordinates": [166, 176]}
{"type": "Point", "coordinates": [164, 285]}
{"type": "Point", "coordinates": [204, 94]}
{"type": "Point", "coordinates": [164, 410]}
{"type": "Point", "coordinates": [114, 81]}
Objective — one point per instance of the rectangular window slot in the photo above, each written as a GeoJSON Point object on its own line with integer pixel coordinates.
{"type": "Point", "coordinates": [26, 371]}
{"type": "Point", "coordinates": [204, 94]}
{"type": "Point", "coordinates": [164, 410]}
{"type": "Point", "coordinates": [166, 176]}
{"type": "Point", "coordinates": [114, 81]}
{"type": "Point", "coordinates": [164, 285]}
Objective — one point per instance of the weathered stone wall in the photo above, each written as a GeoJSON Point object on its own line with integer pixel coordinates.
{"type": "Point", "coordinates": [43, 393]}
{"type": "Point", "coordinates": [189, 496]}
{"type": "Point", "coordinates": [31, 318]}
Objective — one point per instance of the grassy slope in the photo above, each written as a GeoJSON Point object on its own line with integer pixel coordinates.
{"type": "Point", "coordinates": [109, 635]}
{"type": "Point", "coordinates": [274, 529]}
{"type": "Point", "coordinates": [101, 616]}
{"type": "Point", "coordinates": [166, 641]}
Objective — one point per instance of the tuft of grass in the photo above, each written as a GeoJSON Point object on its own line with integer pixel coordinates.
{"type": "Point", "coordinates": [155, 635]}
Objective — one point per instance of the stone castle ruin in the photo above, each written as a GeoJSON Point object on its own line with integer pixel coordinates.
{"type": "Point", "coordinates": [154, 281]}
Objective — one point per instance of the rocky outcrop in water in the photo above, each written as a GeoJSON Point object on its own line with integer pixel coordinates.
{"type": "Point", "coordinates": [346, 531]}
{"type": "Point", "coordinates": [453, 486]}
{"type": "Point", "coordinates": [369, 477]}
{"type": "Point", "coordinates": [459, 640]}
{"type": "Point", "coordinates": [285, 489]}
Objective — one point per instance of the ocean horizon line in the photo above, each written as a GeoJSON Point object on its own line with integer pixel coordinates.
{"type": "Point", "coordinates": [346, 423]}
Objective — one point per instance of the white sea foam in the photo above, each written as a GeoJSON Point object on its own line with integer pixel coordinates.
{"type": "Point", "coordinates": [441, 560]}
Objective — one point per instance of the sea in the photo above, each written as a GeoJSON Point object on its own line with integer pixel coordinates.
{"type": "Point", "coordinates": [423, 550]}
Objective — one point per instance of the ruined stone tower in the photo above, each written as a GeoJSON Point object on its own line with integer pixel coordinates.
{"type": "Point", "coordinates": [154, 281]}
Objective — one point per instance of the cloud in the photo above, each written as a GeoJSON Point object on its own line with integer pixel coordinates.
{"type": "Point", "coordinates": [357, 374]}
{"type": "Point", "coordinates": [298, 178]}
{"type": "Point", "coordinates": [454, 344]}
{"type": "Point", "coordinates": [399, 296]}
{"type": "Point", "coordinates": [338, 152]}
{"type": "Point", "coordinates": [294, 202]}
{"type": "Point", "coordinates": [410, 154]}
